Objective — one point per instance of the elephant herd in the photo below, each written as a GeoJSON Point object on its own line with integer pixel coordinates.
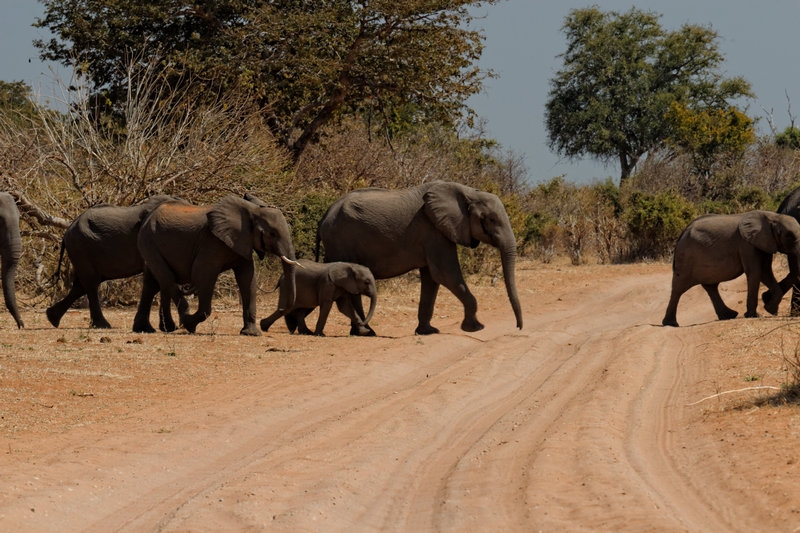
{"type": "Point", "coordinates": [181, 248]}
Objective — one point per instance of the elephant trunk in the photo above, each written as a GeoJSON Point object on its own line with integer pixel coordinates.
{"type": "Point", "coordinates": [10, 259]}
{"type": "Point", "coordinates": [288, 286]}
{"type": "Point", "coordinates": [373, 300]}
{"type": "Point", "coordinates": [509, 260]}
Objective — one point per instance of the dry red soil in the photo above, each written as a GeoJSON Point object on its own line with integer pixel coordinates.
{"type": "Point", "coordinates": [591, 418]}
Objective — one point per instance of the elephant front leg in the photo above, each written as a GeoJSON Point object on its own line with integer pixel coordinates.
{"type": "Point", "coordinates": [246, 280]}
{"type": "Point", "coordinates": [427, 299]}
{"type": "Point", "coordinates": [452, 278]}
{"type": "Point", "coordinates": [322, 319]}
{"type": "Point", "coordinates": [358, 326]}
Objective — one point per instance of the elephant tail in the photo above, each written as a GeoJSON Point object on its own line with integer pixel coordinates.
{"type": "Point", "coordinates": [316, 246]}
{"type": "Point", "coordinates": [57, 275]}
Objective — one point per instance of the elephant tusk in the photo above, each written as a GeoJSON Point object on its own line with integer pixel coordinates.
{"type": "Point", "coordinates": [289, 261]}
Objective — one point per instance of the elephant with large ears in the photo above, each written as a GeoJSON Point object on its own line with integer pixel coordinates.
{"type": "Point", "coordinates": [393, 232]}
{"type": "Point", "coordinates": [10, 251]}
{"type": "Point", "coordinates": [102, 245]}
{"type": "Point", "coordinates": [717, 248]}
{"type": "Point", "coordinates": [320, 285]}
{"type": "Point", "coordinates": [191, 245]}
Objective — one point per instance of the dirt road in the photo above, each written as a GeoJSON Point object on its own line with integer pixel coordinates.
{"type": "Point", "coordinates": [591, 418]}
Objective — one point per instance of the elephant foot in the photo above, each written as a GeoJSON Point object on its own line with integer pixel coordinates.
{"type": "Point", "coordinates": [426, 330]}
{"type": "Point", "coordinates": [471, 325]}
{"type": "Point", "coordinates": [770, 304]}
{"type": "Point", "coordinates": [265, 324]}
{"type": "Point", "coordinates": [166, 323]}
{"type": "Point", "coordinates": [143, 328]}
{"type": "Point", "coordinates": [362, 330]}
{"type": "Point", "coordinates": [53, 317]}
{"type": "Point", "coordinates": [250, 330]}
{"type": "Point", "coordinates": [190, 322]}
{"type": "Point", "coordinates": [100, 324]}
{"type": "Point", "coordinates": [751, 314]}
{"type": "Point", "coordinates": [669, 322]}
{"type": "Point", "coordinates": [728, 314]}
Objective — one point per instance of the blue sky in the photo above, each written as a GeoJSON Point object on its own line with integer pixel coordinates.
{"type": "Point", "coordinates": [523, 39]}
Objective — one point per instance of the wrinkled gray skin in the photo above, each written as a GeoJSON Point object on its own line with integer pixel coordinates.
{"type": "Point", "coordinates": [790, 206]}
{"type": "Point", "coordinates": [187, 244]}
{"type": "Point", "coordinates": [101, 244]}
{"type": "Point", "coordinates": [717, 248]}
{"type": "Point", "coordinates": [10, 251]}
{"type": "Point", "coordinates": [393, 232]}
{"type": "Point", "coordinates": [319, 285]}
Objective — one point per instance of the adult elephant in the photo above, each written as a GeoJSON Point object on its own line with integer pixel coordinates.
{"type": "Point", "coordinates": [393, 232]}
{"type": "Point", "coordinates": [717, 248]}
{"type": "Point", "coordinates": [10, 251]}
{"type": "Point", "coordinates": [101, 245]}
{"type": "Point", "coordinates": [320, 285]}
{"type": "Point", "coordinates": [189, 244]}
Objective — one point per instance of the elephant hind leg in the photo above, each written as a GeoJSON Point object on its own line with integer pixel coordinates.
{"type": "Point", "coordinates": [723, 311]}
{"type": "Point", "coordinates": [141, 321]}
{"type": "Point", "coordinates": [266, 323]}
{"type": "Point", "coordinates": [56, 311]}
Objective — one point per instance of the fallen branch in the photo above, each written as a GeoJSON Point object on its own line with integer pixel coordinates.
{"type": "Point", "coordinates": [731, 392]}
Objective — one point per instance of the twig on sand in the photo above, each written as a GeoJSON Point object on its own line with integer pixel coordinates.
{"type": "Point", "coordinates": [732, 391]}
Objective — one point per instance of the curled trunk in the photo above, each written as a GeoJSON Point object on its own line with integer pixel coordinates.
{"type": "Point", "coordinates": [373, 300]}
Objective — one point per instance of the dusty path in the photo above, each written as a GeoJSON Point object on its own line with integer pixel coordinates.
{"type": "Point", "coordinates": [581, 421]}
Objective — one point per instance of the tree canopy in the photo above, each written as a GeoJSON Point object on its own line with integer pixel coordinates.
{"type": "Point", "coordinates": [621, 73]}
{"type": "Point", "coordinates": [304, 62]}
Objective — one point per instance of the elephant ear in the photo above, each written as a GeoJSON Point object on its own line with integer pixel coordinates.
{"type": "Point", "coordinates": [230, 221]}
{"type": "Point", "coordinates": [447, 207]}
{"type": "Point", "coordinates": [756, 228]}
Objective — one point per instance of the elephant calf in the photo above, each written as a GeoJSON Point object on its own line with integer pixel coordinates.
{"type": "Point", "coordinates": [321, 284]}
{"type": "Point", "coordinates": [717, 248]}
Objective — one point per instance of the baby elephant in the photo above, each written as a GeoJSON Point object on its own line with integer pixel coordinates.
{"type": "Point", "coordinates": [321, 284]}
{"type": "Point", "coordinates": [717, 248]}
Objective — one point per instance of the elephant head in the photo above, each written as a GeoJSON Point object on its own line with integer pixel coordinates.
{"type": "Point", "coordinates": [468, 217]}
{"type": "Point", "coordinates": [771, 232]}
{"type": "Point", "coordinates": [246, 227]}
{"type": "Point", "coordinates": [355, 279]}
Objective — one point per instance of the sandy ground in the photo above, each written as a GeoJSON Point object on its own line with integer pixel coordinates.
{"type": "Point", "coordinates": [591, 418]}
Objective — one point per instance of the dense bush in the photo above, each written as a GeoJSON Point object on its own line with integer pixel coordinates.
{"type": "Point", "coordinates": [655, 221]}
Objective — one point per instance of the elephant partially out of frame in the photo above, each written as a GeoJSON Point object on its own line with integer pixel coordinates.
{"type": "Point", "coordinates": [717, 248]}
{"type": "Point", "coordinates": [10, 252]}
{"type": "Point", "coordinates": [101, 245]}
{"type": "Point", "coordinates": [190, 244]}
{"type": "Point", "coordinates": [393, 232]}
{"type": "Point", "coordinates": [320, 285]}
{"type": "Point", "coordinates": [789, 206]}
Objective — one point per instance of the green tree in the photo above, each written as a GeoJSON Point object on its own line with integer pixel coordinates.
{"type": "Point", "coordinates": [305, 62]}
{"type": "Point", "coordinates": [15, 101]}
{"type": "Point", "coordinates": [620, 74]}
{"type": "Point", "coordinates": [789, 138]}
{"type": "Point", "coordinates": [707, 134]}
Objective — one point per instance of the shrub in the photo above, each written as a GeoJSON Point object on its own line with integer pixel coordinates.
{"type": "Point", "coordinates": [655, 221]}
